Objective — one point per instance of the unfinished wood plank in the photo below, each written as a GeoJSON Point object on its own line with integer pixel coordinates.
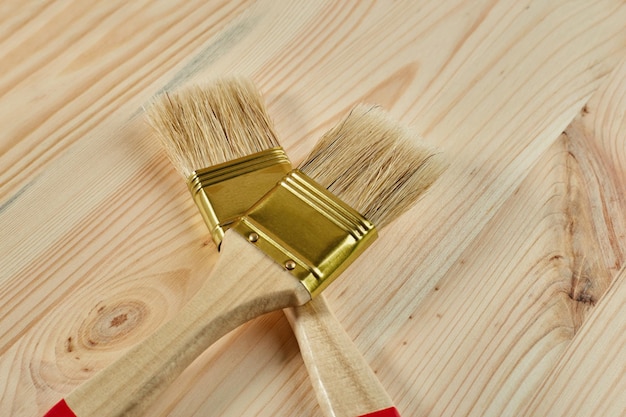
{"type": "Point", "coordinates": [96, 225]}
{"type": "Point", "coordinates": [504, 315]}
{"type": "Point", "coordinates": [505, 312]}
{"type": "Point", "coordinates": [515, 116]}
{"type": "Point", "coordinates": [590, 377]}
{"type": "Point", "coordinates": [128, 386]}
{"type": "Point", "coordinates": [73, 65]}
{"type": "Point", "coordinates": [372, 307]}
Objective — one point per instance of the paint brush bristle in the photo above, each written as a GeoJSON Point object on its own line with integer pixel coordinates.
{"type": "Point", "coordinates": [374, 164]}
{"type": "Point", "coordinates": [202, 126]}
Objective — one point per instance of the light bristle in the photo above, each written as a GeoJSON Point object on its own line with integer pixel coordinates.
{"type": "Point", "coordinates": [201, 126]}
{"type": "Point", "coordinates": [373, 163]}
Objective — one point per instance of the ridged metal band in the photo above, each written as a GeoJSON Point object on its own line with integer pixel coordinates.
{"type": "Point", "coordinates": [307, 229]}
{"type": "Point", "coordinates": [225, 191]}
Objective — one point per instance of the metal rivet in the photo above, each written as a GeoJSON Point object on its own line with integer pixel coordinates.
{"type": "Point", "coordinates": [253, 237]}
{"type": "Point", "coordinates": [290, 265]}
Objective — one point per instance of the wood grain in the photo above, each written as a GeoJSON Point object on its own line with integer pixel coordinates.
{"type": "Point", "coordinates": [230, 297]}
{"type": "Point", "coordinates": [589, 377]}
{"type": "Point", "coordinates": [96, 225]}
{"type": "Point", "coordinates": [518, 295]}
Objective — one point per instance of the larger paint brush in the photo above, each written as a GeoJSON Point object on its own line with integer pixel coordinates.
{"type": "Point", "coordinates": [285, 224]}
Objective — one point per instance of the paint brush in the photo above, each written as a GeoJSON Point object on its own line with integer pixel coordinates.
{"type": "Point", "coordinates": [127, 386]}
{"type": "Point", "coordinates": [344, 384]}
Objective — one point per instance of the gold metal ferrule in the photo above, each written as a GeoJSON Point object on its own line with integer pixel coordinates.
{"type": "Point", "coordinates": [225, 191]}
{"type": "Point", "coordinates": [306, 229]}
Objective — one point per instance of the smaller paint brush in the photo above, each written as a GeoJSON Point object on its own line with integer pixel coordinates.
{"type": "Point", "coordinates": [345, 385]}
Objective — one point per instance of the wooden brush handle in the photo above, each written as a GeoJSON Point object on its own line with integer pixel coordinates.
{"type": "Point", "coordinates": [344, 383]}
{"type": "Point", "coordinates": [244, 284]}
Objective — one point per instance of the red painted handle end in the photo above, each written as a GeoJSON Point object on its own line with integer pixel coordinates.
{"type": "Point", "coordinates": [387, 412]}
{"type": "Point", "coordinates": [60, 409]}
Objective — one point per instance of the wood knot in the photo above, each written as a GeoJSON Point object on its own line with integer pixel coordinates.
{"type": "Point", "coordinates": [119, 320]}
{"type": "Point", "coordinates": [109, 324]}
{"type": "Point", "coordinates": [581, 292]}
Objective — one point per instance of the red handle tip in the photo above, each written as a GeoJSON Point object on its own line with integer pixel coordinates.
{"type": "Point", "coordinates": [387, 412]}
{"type": "Point", "coordinates": [60, 409]}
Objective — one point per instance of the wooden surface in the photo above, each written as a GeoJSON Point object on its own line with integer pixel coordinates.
{"type": "Point", "coordinates": [501, 293]}
{"type": "Point", "coordinates": [229, 298]}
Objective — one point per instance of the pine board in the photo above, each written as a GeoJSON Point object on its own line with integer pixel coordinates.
{"type": "Point", "coordinates": [485, 299]}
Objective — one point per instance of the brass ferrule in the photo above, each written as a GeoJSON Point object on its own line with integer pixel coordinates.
{"type": "Point", "coordinates": [225, 191]}
{"type": "Point", "coordinates": [307, 229]}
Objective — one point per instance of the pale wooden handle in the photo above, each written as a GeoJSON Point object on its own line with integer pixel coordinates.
{"type": "Point", "coordinates": [244, 284]}
{"type": "Point", "coordinates": [344, 383]}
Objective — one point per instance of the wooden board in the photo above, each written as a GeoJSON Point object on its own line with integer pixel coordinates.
{"type": "Point", "coordinates": [485, 299]}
